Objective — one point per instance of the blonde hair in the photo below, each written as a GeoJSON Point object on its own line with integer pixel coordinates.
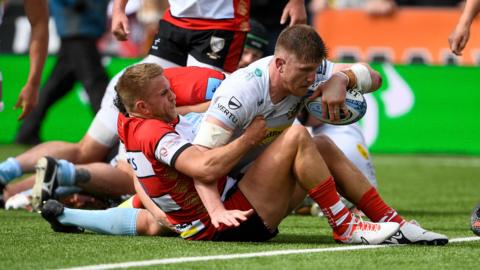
{"type": "Point", "coordinates": [134, 83]}
{"type": "Point", "coordinates": [303, 42]}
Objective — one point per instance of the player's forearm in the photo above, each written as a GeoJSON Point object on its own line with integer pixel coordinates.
{"type": "Point", "coordinates": [119, 6]}
{"type": "Point", "coordinates": [147, 202]}
{"type": "Point", "coordinates": [37, 13]}
{"type": "Point", "coordinates": [219, 161]}
{"type": "Point", "coordinates": [209, 195]}
{"type": "Point", "coordinates": [472, 8]}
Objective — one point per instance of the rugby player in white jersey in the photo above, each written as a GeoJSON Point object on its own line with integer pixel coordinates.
{"type": "Point", "coordinates": [274, 88]}
{"type": "Point", "coordinates": [171, 169]}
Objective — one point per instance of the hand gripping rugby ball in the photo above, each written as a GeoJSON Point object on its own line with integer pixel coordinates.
{"type": "Point", "coordinates": [354, 101]}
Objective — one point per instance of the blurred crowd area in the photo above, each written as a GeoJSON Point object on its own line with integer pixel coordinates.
{"type": "Point", "coordinates": [145, 14]}
{"type": "Point", "coordinates": [379, 7]}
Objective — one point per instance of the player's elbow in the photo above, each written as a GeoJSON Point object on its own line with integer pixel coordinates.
{"type": "Point", "coordinates": [209, 172]}
{"type": "Point", "coordinates": [376, 80]}
{"type": "Point", "coordinates": [206, 177]}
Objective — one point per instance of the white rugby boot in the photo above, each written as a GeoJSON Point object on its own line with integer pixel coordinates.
{"type": "Point", "coordinates": [45, 181]}
{"type": "Point", "coordinates": [367, 233]}
{"type": "Point", "coordinates": [411, 233]}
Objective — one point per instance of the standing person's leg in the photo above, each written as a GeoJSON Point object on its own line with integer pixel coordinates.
{"type": "Point", "coordinates": [89, 70]}
{"type": "Point", "coordinates": [273, 177]}
{"type": "Point", "coordinates": [217, 49]}
{"type": "Point", "coordinates": [61, 81]}
{"type": "Point", "coordinates": [170, 46]}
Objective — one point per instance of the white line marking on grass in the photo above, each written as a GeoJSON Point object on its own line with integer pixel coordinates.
{"type": "Point", "coordinates": [240, 256]}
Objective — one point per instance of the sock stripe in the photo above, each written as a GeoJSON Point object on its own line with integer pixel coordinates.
{"type": "Point", "coordinates": [337, 207]}
{"type": "Point", "coordinates": [342, 219]}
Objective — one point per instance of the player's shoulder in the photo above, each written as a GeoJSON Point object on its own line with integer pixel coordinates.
{"type": "Point", "coordinates": [148, 129]}
{"type": "Point", "coordinates": [193, 71]}
{"type": "Point", "coordinates": [251, 80]}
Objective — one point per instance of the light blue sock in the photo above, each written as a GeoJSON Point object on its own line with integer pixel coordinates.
{"type": "Point", "coordinates": [66, 173]}
{"type": "Point", "coordinates": [116, 221]}
{"type": "Point", "coordinates": [9, 170]}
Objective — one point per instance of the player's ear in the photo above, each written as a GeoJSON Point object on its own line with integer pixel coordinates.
{"type": "Point", "coordinates": [279, 64]}
{"type": "Point", "coordinates": [141, 107]}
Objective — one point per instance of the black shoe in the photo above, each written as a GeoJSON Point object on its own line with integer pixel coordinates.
{"type": "Point", "coordinates": [45, 181]}
{"type": "Point", "coordinates": [50, 211]}
{"type": "Point", "coordinates": [475, 220]}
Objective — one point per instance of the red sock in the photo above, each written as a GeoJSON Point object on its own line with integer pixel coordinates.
{"type": "Point", "coordinates": [376, 209]}
{"type": "Point", "coordinates": [325, 194]}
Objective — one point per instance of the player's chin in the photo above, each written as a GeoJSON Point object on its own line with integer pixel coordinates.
{"type": "Point", "coordinates": [301, 90]}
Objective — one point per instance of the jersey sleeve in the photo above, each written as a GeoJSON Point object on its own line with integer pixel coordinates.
{"type": "Point", "coordinates": [193, 85]}
{"type": "Point", "coordinates": [169, 147]}
{"type": "Point", "coordinates": [235, 102]}
{"type": "Point", "coordinates": [161, 141]}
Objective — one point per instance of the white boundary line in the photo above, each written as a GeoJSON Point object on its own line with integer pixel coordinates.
{"type": "Point", "coordinates": [240, 256]}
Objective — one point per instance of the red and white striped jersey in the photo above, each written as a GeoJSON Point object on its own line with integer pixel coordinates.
{"type": "Point", "coordinates": [152, 148]}
{"type": "Point", "coordinates": [230, 15]}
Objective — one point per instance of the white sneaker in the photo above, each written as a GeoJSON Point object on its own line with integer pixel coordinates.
{"type": "Point", "coordinates": [412, 233]}
{"type": "Point", "coordinates": [367, 233]}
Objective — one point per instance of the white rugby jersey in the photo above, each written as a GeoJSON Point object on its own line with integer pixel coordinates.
{"type": "Point", "coordinates": [245, 94]}
{"type": "Point", "coordinates": [206, 9]}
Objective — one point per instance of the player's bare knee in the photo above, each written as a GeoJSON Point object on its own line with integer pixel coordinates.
{"type": "Point", "coordinates": [297, 133]}
{"type": "Point", "coordinates": [324, 143]}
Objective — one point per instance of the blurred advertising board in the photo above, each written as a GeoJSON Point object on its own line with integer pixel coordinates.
{"type": "Point", "coordinates": [410, 35]}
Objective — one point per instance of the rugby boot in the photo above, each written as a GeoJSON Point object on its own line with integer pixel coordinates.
{"type": "Point", "coordinates": [45, 181]}
{"type": "Point", "coordinates": [411, 233]}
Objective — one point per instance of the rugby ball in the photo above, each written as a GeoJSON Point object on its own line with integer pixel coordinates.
{"type": "Point", "coordinates": [354, 101]}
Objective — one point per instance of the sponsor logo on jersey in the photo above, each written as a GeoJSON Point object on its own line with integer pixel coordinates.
{"type": "Point", "coordinates": [140, 164]}
{"type": "Point", "coordinates": [260, 102]}
{"type": "Point", "coordinates": [273, 133]}
{"type": "Point", "coordinates": [229, 115]}
{"type": "Point", "coordinates": [216, 45]}
{"type": "Point", "coordinates": [155, 44]}
{"type": "Point", "coordinates": [234, 103]}
{"type": "Point", "coordinates": [189, 229]}
{"type": "Point", "coordinates": [363, 152]}
{"type": "Point", "coordinates": [258, 72]}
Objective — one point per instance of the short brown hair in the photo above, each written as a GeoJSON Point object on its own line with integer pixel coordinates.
{"type": "Point", "coordinates": [134, 83]}
{"type": "Point", "coordinates": [303, 42]}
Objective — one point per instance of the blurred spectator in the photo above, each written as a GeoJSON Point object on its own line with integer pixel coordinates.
{"type": "Point", "coordinates": [272, 14]}
{"type": "Point", "coordinates": [255, 44]}
{"type": "Point", "coordinates": [459, 37]}
{"type": "Point", "coordinates": [372, 7]}
{"type": "Point", "coordinates": [37, 14]}
{"type": "Point", "coordinates": [150, 12]}
{"type": "Point", "coordinates": [79, 24]}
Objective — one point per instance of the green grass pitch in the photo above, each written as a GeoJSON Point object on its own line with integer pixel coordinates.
{"type": "Point", "coordinates": [437, 191]}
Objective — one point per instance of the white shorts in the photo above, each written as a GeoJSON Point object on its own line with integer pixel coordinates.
{"type": "Point", "coordinates": [352, 143]}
